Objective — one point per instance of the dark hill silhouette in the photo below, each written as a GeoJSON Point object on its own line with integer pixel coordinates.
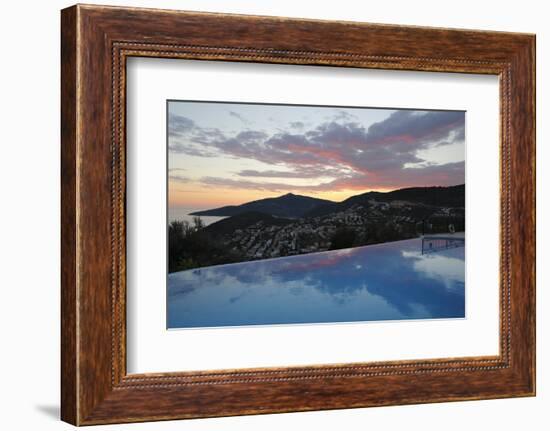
{"type": "Point", "coordinates": [452, 196]}
{"type": "Point", "coordinates": [297, 206]}
{"type": "Point", "coordinates": [289, 205]}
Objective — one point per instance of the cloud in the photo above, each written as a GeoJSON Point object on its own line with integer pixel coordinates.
{"type": "Point", "coordinates": [178, 179]}
{"type": "Point", "coordinates": [447, 174]}
{"type": "Point", "coordinates": [410, 125]}
{"type": "Point", "coordinates": [299, 125]}
{"type": "Point", "coordinates": [310, 172]}
{"type": "Point", "coordinates": [345, 116]}
{"type": "Point", "coordinates": [179, 125]}
{"type": "Point", "coordinates": [242, 184]}
{"type": "Point", "coordinates": [386, 154]}
{"type": "Point", "coordinates": [238, 116]}
{"type": "Point", "coordinates": [276, 174]}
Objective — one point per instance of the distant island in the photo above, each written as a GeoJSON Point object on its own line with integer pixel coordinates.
{"type": "Point", "coordinates": [293, 224]}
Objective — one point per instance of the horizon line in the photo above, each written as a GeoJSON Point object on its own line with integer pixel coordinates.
{"type": "Point", "coordinates": [328, 200]}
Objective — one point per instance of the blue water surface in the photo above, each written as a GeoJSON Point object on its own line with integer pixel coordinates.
{"type": "Point", "coordinates": [391, 281]}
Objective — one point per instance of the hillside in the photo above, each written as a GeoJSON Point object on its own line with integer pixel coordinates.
{"type": "Point", "coordinates": [453, 196]}
{"type": "Point", "coordinates": [289, 205]}
{"type": "Point", "coordinates": [368, 218]}
{"type": "Point", "coordinates": [241, 221]}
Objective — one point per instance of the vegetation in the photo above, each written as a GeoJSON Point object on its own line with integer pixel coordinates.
{"type": "Point", "coordinates": [342, 238]}
{"type": "Point", "coordinates": [376, 233]}
{"type": "Point", "coordinates": [191, 246]}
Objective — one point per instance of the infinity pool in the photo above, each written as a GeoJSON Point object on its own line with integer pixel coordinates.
{"type": "Point", "coordinates": [391, 281]}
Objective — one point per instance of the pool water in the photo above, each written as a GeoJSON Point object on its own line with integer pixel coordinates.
{"type": "Point", "coordinates": [391, 281]}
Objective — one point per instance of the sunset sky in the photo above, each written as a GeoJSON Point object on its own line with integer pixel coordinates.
{"type": "Point", "coordinates": [226, 153]}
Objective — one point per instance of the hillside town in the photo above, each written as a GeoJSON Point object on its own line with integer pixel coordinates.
{"type": "Point", "coordinates": [358, 225]}
{"type": "Point", "coordinates": [292, 225]}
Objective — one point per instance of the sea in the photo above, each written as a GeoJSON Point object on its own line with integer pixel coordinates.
{"type": "Point", "coordinates": [183, 214]}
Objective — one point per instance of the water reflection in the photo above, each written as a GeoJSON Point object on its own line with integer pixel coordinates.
{"type": "Point", "coordinates": [390, 281]}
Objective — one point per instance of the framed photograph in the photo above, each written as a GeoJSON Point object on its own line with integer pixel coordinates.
{"type": "Point", "coordinates": [262, 214]}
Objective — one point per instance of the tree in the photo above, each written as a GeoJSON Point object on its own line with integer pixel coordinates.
{"type": "Point", "coordinates": [198, 223]}
{"type": "Point", "coordinates": [192, 246]}
{"type": "Point", "coordinates": [342, 238]}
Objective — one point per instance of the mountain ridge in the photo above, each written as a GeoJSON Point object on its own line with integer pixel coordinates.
{"type": "Point", "coordinates": [288, 205]}
{"type": "Point", "coordinates": [450, 196]}
{"type": "Point", "coordinates": [292, 205]}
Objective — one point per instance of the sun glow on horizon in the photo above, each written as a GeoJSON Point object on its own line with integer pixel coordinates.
{"type": "Point", "coordinates": [231, 153]}
{"type": "Point", "coordinates": [202, 198]}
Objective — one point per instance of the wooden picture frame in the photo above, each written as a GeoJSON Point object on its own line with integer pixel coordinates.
{"type": "Point", "coordinates": [95, 43]}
